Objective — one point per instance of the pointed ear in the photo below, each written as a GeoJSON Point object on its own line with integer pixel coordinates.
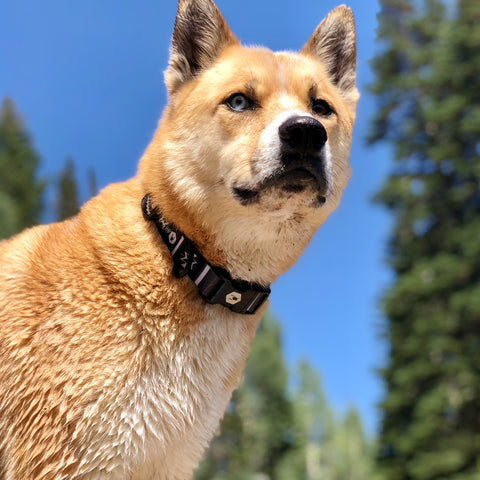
{"type": "Point", "coordinates": [199, 35]}
{"type": "Point", "coordinates": [333, 44]}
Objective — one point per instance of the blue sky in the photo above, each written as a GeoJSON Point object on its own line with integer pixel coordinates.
{"type": "Point", "coordinates": [87, 76]}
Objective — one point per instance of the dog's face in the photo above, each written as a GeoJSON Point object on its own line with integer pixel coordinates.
{"type": "Point", "coordinates": [255, 136]}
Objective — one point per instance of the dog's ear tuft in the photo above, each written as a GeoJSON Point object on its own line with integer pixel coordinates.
{"type": "Point", "coordinates": [333, 44]}
{"type": "Point", "coordinates": [199, 34]}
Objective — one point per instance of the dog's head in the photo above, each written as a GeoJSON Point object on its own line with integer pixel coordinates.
{"type": "Point", "coordinates": [253, 144]}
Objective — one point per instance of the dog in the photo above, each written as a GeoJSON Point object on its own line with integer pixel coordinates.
{"type": "Point", "coordinates": [125, 329]}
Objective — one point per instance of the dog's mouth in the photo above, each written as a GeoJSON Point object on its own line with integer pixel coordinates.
{"type": "Point", "coordinates": [291, 181]}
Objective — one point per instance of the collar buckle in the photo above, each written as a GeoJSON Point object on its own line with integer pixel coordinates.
{"type": "Point", "coordinates": [217, 287]}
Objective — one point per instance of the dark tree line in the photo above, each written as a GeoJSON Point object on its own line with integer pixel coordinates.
{"type": "Point", "coordinates": [428, 92]}
{"type": "Point", "coordinates": [22, 190]}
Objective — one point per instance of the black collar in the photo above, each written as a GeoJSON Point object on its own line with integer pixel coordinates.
{"type": "Point", "coordinates": [214, 284]}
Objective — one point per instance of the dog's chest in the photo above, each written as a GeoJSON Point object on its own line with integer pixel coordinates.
{"type": "Point", "coordinates": [167, 416]}
{"type": "Point", "coordinates": [181, 400]}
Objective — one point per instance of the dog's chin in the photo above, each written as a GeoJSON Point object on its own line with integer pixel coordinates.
{"type": "Point", "coordinates": [291, 183]}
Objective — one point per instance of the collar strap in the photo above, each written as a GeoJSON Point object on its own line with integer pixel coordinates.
{"type": "Point", "coordinates": [214, 284]}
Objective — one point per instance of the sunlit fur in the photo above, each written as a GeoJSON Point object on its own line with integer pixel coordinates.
{"type": "Point", "coordinates": [223, 147]}
{"type": "Point", "coordinates": [110, 367]}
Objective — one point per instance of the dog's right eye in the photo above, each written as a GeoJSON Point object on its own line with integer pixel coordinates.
{"type": "Point", "coordinates": [238, 102]}
{"type": "Point", "coordinates": [322, 108]}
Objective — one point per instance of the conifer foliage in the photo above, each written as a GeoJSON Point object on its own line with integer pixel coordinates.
{"type": "Point", "coordinates": [276, 431]}
{"type": "Point", "coordinates": [428, 90]}
{"type": "Point", "coordinates": [67, 199]}
{"type": "Point", "coordinates": [20, 189]}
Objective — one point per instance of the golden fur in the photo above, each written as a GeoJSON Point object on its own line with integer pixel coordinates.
{"type": "Point", "coordinates": [112, 368]}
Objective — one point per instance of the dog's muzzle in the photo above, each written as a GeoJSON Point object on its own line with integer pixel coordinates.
{"type": "Point", "coordinates": [301, 165]}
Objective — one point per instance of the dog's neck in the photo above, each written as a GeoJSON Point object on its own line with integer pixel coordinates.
{"type": "Point", "coordinates": [261, 250]}
{"type": "Point", "coordinates": [215, 285]}
{"type": "Point", "coordinates": [254, 245]}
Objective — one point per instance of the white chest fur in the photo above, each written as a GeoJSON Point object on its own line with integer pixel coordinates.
{"type": "Point", "coordinates": [159, 424]}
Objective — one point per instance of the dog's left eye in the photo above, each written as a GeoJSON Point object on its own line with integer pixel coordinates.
{"type": "Point", "coordinates": [238, 102]}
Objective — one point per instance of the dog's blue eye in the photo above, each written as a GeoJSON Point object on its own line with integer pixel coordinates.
{"type": "Point", "coordinates": [239, 102]}
{"type": "Point", "coordinates": [321, 107]}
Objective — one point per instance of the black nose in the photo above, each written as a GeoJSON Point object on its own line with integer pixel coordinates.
{"type": "Point", "coordinates": [303, 135]}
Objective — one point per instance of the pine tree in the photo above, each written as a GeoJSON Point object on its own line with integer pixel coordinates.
{"type": "Point", "coordinates": [428, 87]}
{"type": "Point", "coordinates": [346, 453]}
{"type": "Point", "coordinates": [20, 189]}
{"type": "Point", "coordinates": [92, 183]}
{"type": "Point", "coordinates": [313, 422]}
{"type": "Point", "coordinates": [331, 447]}
{"type": "Point", "coordinates": [9, 219]}
{"type": "Point", "coordinates": [272, 432]}
{"type": "Point", "coordinates": [67, 200]}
